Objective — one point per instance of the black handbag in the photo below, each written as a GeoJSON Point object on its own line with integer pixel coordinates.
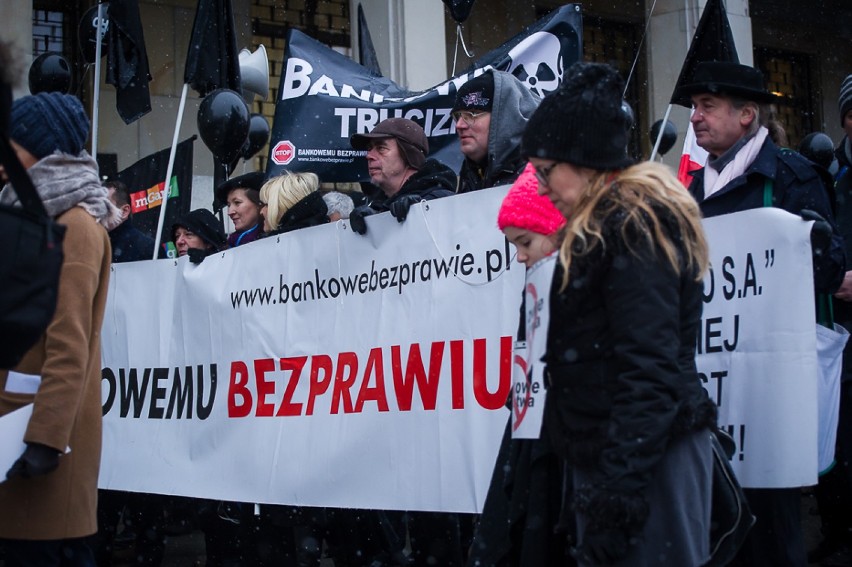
{"type": "Point", "coordinates": [730, 516]}
{"type": "Point", "coordinates": [29, 266]}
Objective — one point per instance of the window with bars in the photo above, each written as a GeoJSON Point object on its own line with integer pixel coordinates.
{"type": "Point", "coordinates": [616, 44]}
{"type": "Point", "coordinates": [48, 32]}
{"type": "Point", "coordinates": [789, 75]}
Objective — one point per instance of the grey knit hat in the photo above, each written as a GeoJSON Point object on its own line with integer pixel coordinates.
{"type": "Point", "coordinates": [844, 101]}
{"type": "Point", "coordinates": [47, 122]}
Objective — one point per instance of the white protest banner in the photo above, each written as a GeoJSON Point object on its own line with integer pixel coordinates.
{"type": "Point", "coordinates": [13, 426]}
{"type": "Point", "coordinates": [528, 390]}
{"type": "Point", "coordinates": [319, 367]}
{"type": "Point", "coordinates": [757, 344]}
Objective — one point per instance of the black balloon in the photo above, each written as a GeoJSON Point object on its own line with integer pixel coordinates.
{"type": "Point", "coordinates": [50, 72]}
{"type": "Point", "coordinates": [818, 148]}
{"type": "Point", "coordinates": [669, 136]}
{"type": "Point", "coordinates": [87, 33]}
{"type": "Point", "coordinates": [459, 9]}
{"type": "Point", "coordinates": [223, 122]}
{"type": "Point", "coordinates": [258, 135]}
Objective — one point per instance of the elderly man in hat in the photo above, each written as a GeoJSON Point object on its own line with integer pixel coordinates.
{"type": "Point", "coordinates": [745, 170]}
{"type": "Point", "coordinates": [397, 164]}
{"type": "Point", "coordinates": [490, 113]}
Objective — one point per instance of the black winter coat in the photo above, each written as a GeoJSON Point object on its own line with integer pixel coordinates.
{"type": "Point", "coordinates": [796, 186]}
{"type": "Point", "coordinates": [129, 244]}
{"type": "Point", "coordinates": [622, 380]}
{"type": "Point", "coordinates": [310, 211]}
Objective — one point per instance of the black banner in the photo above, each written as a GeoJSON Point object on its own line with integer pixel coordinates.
{"type": "Point", "coordinates": [145, 180]}
{"type": "Point", "coordinates": [325, 97]}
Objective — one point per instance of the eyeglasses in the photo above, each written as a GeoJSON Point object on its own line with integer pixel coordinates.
{"type": "Point", "coordinates": [466, 115]}
{"type": "Point", "coordinates": [542, 174]}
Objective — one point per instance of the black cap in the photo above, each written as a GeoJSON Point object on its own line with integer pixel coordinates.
{"type": "Point", "coordinates": [477, 94]}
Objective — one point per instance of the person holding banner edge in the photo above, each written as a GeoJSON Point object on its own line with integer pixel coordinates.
{"type": "Point", "coordinates": [744, 165]}
{"type": "Point", "coordinates": [625, 407]}
{"type": "Point", "coordinates": [397, 163]}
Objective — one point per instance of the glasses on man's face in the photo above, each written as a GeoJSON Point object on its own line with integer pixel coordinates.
{"type": "Point", "coordinates": [542, 174]}
{"type": "Point", "coordinates": [466, 115]}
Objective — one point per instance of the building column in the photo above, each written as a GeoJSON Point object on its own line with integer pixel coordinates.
{"type": "Point", "coordinates": [670, 32]}
{"type": "Point", "coordinates": [409, 39]}
{"type": "Point", "coordinates": [16, 28]}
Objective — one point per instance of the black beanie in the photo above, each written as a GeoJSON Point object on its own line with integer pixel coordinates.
{"type": "Point", "coordinates": [203, 223]}
{"type": "Point", "coordinates": [477, 94]}
{"type": "Point", "coordinates": [49, 122]}
{"type": "Point", "coordinates": [582, 122]}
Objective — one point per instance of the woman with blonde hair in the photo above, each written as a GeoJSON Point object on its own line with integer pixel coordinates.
{"type": "Point", "coordinates": [625, 406]}
{"type": "Point", "coordinates": [291, 201]}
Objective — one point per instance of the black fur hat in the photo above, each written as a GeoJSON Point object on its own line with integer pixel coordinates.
{"type": "Point", "coordinates": [583, 122]}
{"type": "Point", "coordinates": [205, 224]}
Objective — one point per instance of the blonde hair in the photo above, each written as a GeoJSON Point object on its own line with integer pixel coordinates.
{"type": "Point", "coordinates": [283, 192]}
{"type": "Point", "coordinates": [640, 193]}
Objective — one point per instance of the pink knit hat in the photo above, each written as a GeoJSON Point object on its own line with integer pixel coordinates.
{"type": "Point", "coordinates": [524, 208]}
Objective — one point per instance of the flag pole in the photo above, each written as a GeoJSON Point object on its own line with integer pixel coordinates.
{"type": "Point", "coordinates": [99, 35]}
{"type": "Point", "coordinates": [164, 196]}
{"type": "Point", "coordinates": [660, 133]}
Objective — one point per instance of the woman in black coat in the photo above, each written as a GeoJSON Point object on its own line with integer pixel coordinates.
{"type": "Point", "coordinates": [625, 407]}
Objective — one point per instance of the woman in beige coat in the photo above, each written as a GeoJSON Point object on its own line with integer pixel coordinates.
{"type": "Point", "coordinates": [48, 503]}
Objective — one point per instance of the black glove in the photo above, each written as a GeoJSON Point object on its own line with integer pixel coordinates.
{"type": "Point", "coordinates": [196, 255]}
{"type": "Point", "coordinates": [400, 207]}
{"type": "Point", "coordinates": [820, 232]}
{"type": "Point", "coordinates": [602, 547]}
{"type": "Point", "coordinates": [37, 460]}
{"type": "Point", "coordinates": [356, 218]}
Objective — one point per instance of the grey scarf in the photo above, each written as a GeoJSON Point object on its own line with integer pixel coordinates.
{"type": "Point", "coordinates": [64, 181]}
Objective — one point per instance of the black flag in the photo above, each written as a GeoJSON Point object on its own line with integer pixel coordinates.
{"type": "Point", "coordinates": [366, 51]}
{"type": "Point", "coordinates": [144, 180]}
{"type": "Point", "coordinates": [127, 60]}
{"type": "Point", "coordinates": [212, 61]}
{"type": "Point", "coordinates": [713, 41]}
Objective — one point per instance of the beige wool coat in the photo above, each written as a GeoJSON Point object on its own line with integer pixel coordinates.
{"type": "Point", "coordinates": [67, 410]}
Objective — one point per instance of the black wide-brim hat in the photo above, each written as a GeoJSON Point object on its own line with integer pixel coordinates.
{"type": "Point", "coordinates": [253, 180]}
{"type": "Point", "coordinates": [726, 78]}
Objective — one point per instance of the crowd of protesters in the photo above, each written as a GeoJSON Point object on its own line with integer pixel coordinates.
{"type": "Point", "coordinates": [621, 473]}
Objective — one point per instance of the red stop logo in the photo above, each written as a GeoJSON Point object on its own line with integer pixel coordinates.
{"type": "Point", "coordinates": [283, 152]}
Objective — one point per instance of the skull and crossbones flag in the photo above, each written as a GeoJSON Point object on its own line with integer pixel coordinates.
{"type": "Point", "coordinates": [325, 97]}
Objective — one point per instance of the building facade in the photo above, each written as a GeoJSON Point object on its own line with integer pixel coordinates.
{"type": "Point", "coordinates": [803, 52]}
